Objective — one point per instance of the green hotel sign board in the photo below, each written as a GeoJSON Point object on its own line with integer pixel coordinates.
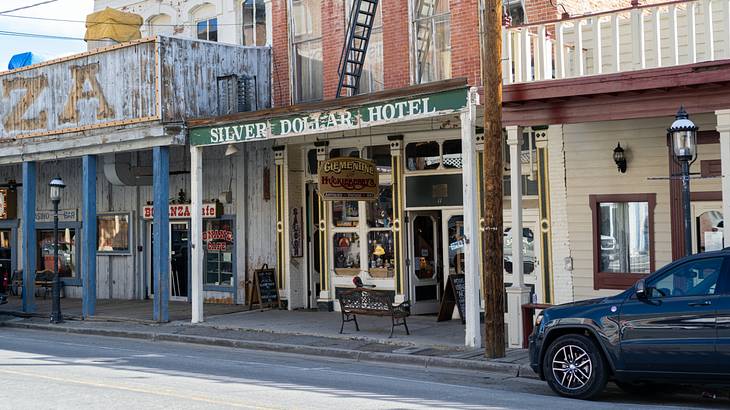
{"type": "Point", "coordinates": [344, 119]}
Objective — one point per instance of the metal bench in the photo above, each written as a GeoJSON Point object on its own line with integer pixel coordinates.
{"type": "Point", "coordinates": [369, 302]}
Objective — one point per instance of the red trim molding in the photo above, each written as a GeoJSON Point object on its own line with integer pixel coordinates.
{"type": "Point", "coordinates": [618, 280]}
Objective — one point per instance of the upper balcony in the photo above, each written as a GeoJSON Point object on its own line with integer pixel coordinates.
{"type": "Point", "coordinates": [635, 38]}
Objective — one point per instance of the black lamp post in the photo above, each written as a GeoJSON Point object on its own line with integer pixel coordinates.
{"type": "Point", "coordinates": [683, 133]}
{"type": "Point", "coordinates": [57, 186]}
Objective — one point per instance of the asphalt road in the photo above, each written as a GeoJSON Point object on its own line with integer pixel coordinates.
{"type": "Point", "coordinates": [58, 370]}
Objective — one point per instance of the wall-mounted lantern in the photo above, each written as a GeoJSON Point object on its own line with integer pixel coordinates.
{"type": "Point", "coordinates": [619, 157]}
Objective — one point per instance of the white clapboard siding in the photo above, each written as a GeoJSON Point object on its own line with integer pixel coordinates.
{"type": "Point", "coordinates": [590, 169]}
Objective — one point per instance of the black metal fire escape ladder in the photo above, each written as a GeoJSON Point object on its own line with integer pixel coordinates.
{"type": "Point", "coordinates": [362, 18]}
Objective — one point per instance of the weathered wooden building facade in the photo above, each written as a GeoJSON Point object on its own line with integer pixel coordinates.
{"type": "Point", "coordinates": [111, 123]}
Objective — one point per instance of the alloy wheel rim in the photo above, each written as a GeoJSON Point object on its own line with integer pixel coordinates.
{"type": "Point", "coordinates": [572, 367]}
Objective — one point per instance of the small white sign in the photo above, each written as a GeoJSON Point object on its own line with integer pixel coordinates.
{"type": "Point", "coordinates": [713, 241]}
{"type": "Point", "coordinates": [64, 215]}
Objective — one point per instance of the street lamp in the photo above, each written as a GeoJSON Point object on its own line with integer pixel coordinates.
{"type": "Point", "coordinates": [57, 186]}
{"type": "Point", "coordinates": [683, 134]}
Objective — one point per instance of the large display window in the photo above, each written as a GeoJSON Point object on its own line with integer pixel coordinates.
{"type": "Point", "coordinates": [219, 249]}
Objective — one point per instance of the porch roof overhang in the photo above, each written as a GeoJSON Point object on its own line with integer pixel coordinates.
{"type": "Point", "coordinates": [701, 87]}
{"type": "Point", "coordinates": [411, 103]}
{"type": "Point", "coordinates": [92, 142]}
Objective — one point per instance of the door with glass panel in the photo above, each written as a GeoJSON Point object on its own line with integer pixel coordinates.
{"type": "Point", "coordinates": [179, 260]}
{"type": "Point", "coordinates": [6, 259]}
{"type": "Point", "coordinates": [532, 273]}
{"type": "Point", "coordinates": [425, 264]}
{"type": "Point", "coordinates": [707, 226]}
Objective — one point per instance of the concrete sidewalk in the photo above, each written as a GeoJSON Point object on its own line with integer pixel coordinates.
{"type": "Point", "coordinates": [311, 333]}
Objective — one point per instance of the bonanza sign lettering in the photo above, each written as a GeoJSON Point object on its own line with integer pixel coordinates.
{"type": "Point", "coordinates": [178, 211]}
{"type": "Point", "coordinates": [348, 178]}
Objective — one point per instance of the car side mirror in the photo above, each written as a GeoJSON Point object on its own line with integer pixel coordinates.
{"type": "Point", "coordinates": [641, 289]}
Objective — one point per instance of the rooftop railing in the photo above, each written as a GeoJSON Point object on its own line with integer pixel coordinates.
{"type": "Point", "coordinates": [633, 38]}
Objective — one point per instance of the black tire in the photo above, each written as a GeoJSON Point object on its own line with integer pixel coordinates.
{"type": "Point", "coordinates": [574, 367]}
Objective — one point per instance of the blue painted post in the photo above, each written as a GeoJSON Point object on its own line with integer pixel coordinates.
{"type": "Point", "coordinates": [161, 220]}
{"type": "Point", "coordinates": [88, 211]}
{"type": "Point", "coordinates": [29, 236]}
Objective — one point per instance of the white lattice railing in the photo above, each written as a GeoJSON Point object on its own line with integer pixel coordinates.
{"type": "Point", "coordinates": [650, 36]}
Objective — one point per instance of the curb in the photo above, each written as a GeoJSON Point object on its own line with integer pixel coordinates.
{"type": "Point", "coordinates": [515, 370]}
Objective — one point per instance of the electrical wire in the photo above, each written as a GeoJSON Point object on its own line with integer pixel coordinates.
{"type": "Point", "coordinates": [36, 35]}
{"type": "Point", "coordinates": [27, 7]}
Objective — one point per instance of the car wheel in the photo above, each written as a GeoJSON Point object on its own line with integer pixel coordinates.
{"type": "Point", "coordinates": [574, 367]}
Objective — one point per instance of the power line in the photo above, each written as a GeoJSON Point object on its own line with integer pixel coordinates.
{"type": "Point", "coordinates": [36, 35]}
{"type": "Point", "coordinates": [120, 24]}
{"type": "Point", "coordinates": [27, 7]}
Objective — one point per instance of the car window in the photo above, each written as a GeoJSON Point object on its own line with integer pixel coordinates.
{"type": "Point", "coordinates": [695, 278]}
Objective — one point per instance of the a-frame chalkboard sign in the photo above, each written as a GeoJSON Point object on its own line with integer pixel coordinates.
{"type": "Point", "coordinates": [264, 292]}
{"type": "Point", "coordinates": [453, 296]}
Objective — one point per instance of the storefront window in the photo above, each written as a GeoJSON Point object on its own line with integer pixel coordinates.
{"type": "Point", "coordinates": [345, 213]}
{"type": "Point", "coordinates": [623, 237]}
{"type": "Point", "coordinates": [219, 248]}
{"type": "Point", "coordinates": [424, 245]}
{"type": "Point", "coordinates": [312, 162]}
{"type": "Point", "coordinates": [380, 154]}
{"type": "Point", "coordinates": [452, 154]}
{"type": "Point", "coordinates": [66, 251]}
{"type": "Point", "coordinates": [422, 155]}
{"type": "Point", "coordinates": [528, 251]}
{"type": "Point", "coordinates": [112, 233]}
{"type": "Point", "coordinates": [345, 152]}
{"type": "Point", "coordinates": [347, 253]}
{"type": "Point", "coordinates": [380, 212]}
{"type": "Point", "coordinates": [5, 253]}
{"type": "Point", "coordinates": [380, 254]}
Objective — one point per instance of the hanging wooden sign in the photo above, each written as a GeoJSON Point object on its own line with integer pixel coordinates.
{"type": "Point", "coordinates": [348, 178]}
{"type": "Point", "coordinates": [453, 297]}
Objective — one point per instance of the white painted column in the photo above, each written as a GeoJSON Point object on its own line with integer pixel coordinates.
{"type": "Point", "coordinates": [517, 294]}
{"type": "Point", "coordinates": [723, 127]}
{"type": "Point", "coordinates": [196, 232]}
{"type": "Point", "coordinates": [471, 220]}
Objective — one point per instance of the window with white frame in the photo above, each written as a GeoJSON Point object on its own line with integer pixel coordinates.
{"type": "Point", "coordinates": [253, 23]}
{"type": "Point", "coordinates": [207, 29]}
{"type": "Point", "coordinates": [432, 40]}
{"type": "Point", "coordinates": [306, 38]}
{"type": "Point", "coordinates": [372, 72]}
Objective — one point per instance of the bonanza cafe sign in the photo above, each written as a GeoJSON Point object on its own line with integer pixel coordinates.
{"type": "Point", "coordinates": [348, 178]}
{"type": "Point", "coordinates": [425, 106]}
{"type": "Point", "coordinates": [178, 211]}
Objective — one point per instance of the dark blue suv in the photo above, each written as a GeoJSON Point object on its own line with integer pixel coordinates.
{"type": "Point", "coordinates": [672, 326]}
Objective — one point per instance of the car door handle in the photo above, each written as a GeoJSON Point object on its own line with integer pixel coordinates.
{"type": "Point", "coordinates": [703, 303]}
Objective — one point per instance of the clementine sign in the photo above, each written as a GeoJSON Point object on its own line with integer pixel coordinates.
{"type": "Point", "coordinates": [348, 179]}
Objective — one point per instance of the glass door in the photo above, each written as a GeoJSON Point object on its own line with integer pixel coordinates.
{"type": "Point", "coordinates": [532, 273]}
{"type": "Point", "coordinates": [453, 242]}
{"type": "Point", "coordinates": [5, 259]}
{"type": "Point", "coordinates": [707, 226]}
{"type": "Point", "coordinates": [179, 261]}
{"type": "Point", "coordinates": [425, 267]}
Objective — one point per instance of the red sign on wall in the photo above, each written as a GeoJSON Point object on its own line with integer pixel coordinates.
{"type": "Point", "coordinates": [182, 211]}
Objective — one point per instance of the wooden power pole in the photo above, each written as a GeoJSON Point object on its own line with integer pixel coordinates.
{"type": "Point", "coordinates": [491, 59]}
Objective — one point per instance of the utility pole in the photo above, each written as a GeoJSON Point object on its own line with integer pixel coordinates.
{"type": "Point", "coordinates": [492, 240]}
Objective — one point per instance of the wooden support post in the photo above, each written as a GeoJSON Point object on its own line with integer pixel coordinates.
{"type": "Point", "coordinates": [472, 275]}
{"type": "Point", "coordinates": [88, 211]}
{"type": "Point", "coordinates": [325, 300]}
{"type": "Point", "coordinates": [30, 245]}
{"type": "Point", "coordinates": [196, 232]}
{"type": "Point", "coordinates": [161, 221]}
{"type": "Point", "coordinates": [491, 52]}
{"type": "Point", "coordinates": [282, 207]}
{"type": "Point", "coordinates": [396, 155]}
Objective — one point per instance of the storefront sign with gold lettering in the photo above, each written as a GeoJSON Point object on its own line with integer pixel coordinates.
{"type": "Point", "coordinates": [348, 179]}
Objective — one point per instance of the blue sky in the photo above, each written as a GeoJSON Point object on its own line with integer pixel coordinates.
{"type": "Point", "coordinates": [48, 48]}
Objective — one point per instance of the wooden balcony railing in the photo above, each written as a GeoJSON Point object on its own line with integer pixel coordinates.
{"type": "Point", "coordinates": [634, 38]}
